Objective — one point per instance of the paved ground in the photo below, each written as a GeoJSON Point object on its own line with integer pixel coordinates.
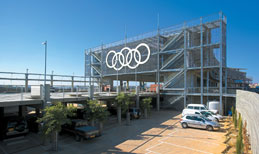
{"type": "Point", "coordinates": [159, 134]}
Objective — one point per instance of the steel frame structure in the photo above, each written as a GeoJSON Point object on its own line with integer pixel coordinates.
{"type": "Point", "coordinates": [188, 59]}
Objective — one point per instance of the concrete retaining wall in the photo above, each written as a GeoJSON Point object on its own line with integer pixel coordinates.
{"type": "Point", "coordinates": [247, 103]}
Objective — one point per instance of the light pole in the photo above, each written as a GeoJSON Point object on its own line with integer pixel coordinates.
{"type": "Point", "coordinates": [45, 44]}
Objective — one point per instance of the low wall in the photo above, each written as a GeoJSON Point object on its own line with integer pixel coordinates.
{"type": "Point", "coordinates": [247, 103]}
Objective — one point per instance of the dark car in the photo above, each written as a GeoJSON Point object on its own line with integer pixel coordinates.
{"type": "Point", "coordinates": [15, 126]}
{"type": "Point", "coordinates": [81, 130]}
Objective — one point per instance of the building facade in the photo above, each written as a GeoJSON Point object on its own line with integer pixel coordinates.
{"type": "Point", "coordinates": [188, 60]}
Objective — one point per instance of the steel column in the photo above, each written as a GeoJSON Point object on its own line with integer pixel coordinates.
{"type": "Point", "coordinates": [201, 58]}
{"type": "Point", "coordinates": [158, 68]}
{"type": "Point", "coordinates": [220, 69]}
{"type": "Point", "coordinates": [185, 66]}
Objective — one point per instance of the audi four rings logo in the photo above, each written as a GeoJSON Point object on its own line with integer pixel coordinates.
{"type": "Point", "coordinates": [118, 57]}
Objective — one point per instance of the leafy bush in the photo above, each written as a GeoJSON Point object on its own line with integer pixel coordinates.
{"type": "Point", "coordinates": [146, 104]}
{"type": "Point", "coordinates": [123, 101]}
{"type": "Point", "coordinates": [95, 110]}
{"type": "Point", "coordinates": [55, 116]}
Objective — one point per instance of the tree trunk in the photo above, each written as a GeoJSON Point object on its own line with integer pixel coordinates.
{"type": "Point", "coordinates": [55, 141]}
{"type": "Point", "coordinates": [101, 126]}
{"type": "Point", "coordinates": [145, 113]}
{"type": "Point", "coordinates": [119, 114]}
{"type": "Point", "coordinates": [92, 123]}
{"type": "Point", "coordinates": [128, 118]}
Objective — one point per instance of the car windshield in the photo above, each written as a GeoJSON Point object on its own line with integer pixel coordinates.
{"type": "Point", "coordinates": [211, 113]}
{"type": "Point", "coordinates": [206, 113]}
{"type": "Point", "coordinates": [204, 108]}
{"type": "Point", "coordinates": [206, 119]}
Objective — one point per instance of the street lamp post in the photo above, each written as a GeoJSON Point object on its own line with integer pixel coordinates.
{"type": "Point", "coordinates": [45, 44]}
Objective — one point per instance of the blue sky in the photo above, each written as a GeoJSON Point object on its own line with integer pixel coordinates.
{"type": "Point", "coordinates": [71, 26]}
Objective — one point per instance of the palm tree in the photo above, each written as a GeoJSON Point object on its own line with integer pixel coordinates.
{"type": "Point", "coordinates": [55, 116]}
{"type": "Point", "coordinates": [146, 105]}
{"type": "Point", "coordinates": [96, 111]}
{"type": "Point", "coordinates": [123, 102]}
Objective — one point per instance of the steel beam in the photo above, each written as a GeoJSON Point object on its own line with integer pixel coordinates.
{"type": "Point", "coordinates": [220, 69]}
{"type": "Point", "coordinates": [201, 58]}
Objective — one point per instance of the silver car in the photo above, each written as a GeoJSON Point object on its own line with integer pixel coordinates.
{"type": "Point", "coordinates": [198, 121]}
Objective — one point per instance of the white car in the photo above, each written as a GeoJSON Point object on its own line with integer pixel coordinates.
{"type": "Point", "coordinates": [200, 107]}
{"type": "Point", "coordinates": [202, 113]}
{"type": "Point", "coordinates": [218, 116]}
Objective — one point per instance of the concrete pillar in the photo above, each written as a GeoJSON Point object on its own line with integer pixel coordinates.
{"type": "Point", "coordinates": [51, 80]}
{"type": "Point", "coordinates": [22, 110]}
{"type": "Point", "coordinates": [111, 84]}
{"type": "Point", "coordinates": [118, 89]}
{"type": "Point", "coordinates": [26, 82]}
{"type": "Point", "coordinates": [72, 84]}
{"type": "Point", "coordinates": [121, 84]}
{"type": "Point", "coordinates": [45, 95]}
{"type": "Point", "coordinates": [37, 111]}
{"type": "Point", "coordinates": [140, 85]}
{"type": "Point", "coordinates": [137, 94]}
{"type": "Point", "coordinates": [91, 92]}
{"type": "Point", "coordinates": [127, 85]}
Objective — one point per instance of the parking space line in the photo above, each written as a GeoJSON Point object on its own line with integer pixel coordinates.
{"type": "Point", "coordinates": [162, 141]}
{"type": "Point", "coordinates": [187, 148]}
{"type": "Point", "coordinates": [190, 139]}
{"type": "Point", "coordinates": [148, 149]}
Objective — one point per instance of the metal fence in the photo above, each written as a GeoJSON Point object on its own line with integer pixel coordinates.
{"type": "Point", "coordinates": [247, 104]}
{"type": "Point", "coordinates": [14, 82]}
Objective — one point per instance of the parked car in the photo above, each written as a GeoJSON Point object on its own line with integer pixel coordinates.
{"type": "Point", "coordinates": [134, 113]}
{"type": "Point", "coordinates": [218, 116]}
{"type": "Point", "coordinates": [198, 121]}
{"type": "Point", "coordinates": [200, 107]}
{"type": "Point", "coordinates": [204, 113]}
{"type": "Point", "coordinates": [15, 126]}
{"type": "Point", "coordinates": [81, 130]}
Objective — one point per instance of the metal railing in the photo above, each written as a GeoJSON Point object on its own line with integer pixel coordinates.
{"type": "Point", "coordinates": [168, 30]}
{"type": "Point", "coordinates": [12, 82]}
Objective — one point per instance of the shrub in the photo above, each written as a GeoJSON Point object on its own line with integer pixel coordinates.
{"type": "Point", "coordinates": [123, 101]}
{"type": "Point", "coordinates": [95, 110]}
{"type": "Point", "coordinates": [146, 104]}
{"type": "Point", "coordinates": [239, 142]}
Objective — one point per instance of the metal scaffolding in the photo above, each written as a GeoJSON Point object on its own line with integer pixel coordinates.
{"type": "Point", "coordinates": [188, 60]}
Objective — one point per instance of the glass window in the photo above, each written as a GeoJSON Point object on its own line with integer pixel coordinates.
{"type": "Point", "coordinates": [196, 108]}
{"type": "Point", "coordinates": [190, 107]}
{"type": "Point", "coordinates": [203, 108]}
{"type": "Point", "coordinates": [188, 117]}
{"type": "Point", "coordinates": [206, 119]}
{"type": "Point", "coordinates": [199, 119]}
{"type": "Point", "coordinates": [197, 113]}
{"type": "Point", "coordinates": [195, 118]}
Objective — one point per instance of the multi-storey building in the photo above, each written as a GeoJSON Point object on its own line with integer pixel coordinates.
{"type": "Point", "coordinates": [188, 60]}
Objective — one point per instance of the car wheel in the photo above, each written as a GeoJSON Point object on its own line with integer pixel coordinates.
{"type": "Point", "coordinates": [209, 128]}
{"type": "Point", "coordinates": [184, 125]}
